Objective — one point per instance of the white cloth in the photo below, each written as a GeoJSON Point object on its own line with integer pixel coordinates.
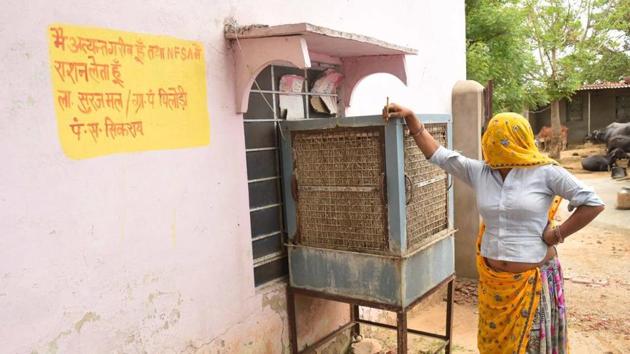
{"type": "Point", "coordinates": [515, 210]}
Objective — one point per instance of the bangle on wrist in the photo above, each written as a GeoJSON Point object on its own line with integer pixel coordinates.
{"type": "Point", "coordinates": [553, 240]}
{"type": "Point", "coordinates": [413, 135]}
{"type": "Point", "coordinates": [547, 243]}
{"type": "Point", "coordinates": [557, 234]}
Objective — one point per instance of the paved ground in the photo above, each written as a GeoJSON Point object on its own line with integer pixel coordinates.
{"type": "Point", "coordinates": [596, 263]}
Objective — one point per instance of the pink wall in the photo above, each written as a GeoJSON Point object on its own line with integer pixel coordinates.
{"type": "Point", "coordinates": [151, 251]}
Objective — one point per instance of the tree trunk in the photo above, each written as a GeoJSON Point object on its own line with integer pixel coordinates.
{"type": "Point", "coordinates": [556, 139]}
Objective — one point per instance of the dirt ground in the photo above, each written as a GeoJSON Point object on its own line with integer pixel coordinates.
{"type": "Point", "coordinates": [596, 265]}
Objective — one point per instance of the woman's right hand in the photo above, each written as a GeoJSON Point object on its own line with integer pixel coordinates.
{"type": "Point", "coordinates": [394, 110]}
{"type": "Point", "coordinates": [422, 137]}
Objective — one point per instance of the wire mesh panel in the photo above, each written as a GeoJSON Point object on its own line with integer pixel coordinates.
{"type": "Point", "coordinates": [427, 184]}
{"type": "Point", "coordinates": [339, 174]}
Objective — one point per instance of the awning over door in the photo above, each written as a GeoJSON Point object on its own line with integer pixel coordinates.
{"type": "Point", "coordinates": [255, 47]}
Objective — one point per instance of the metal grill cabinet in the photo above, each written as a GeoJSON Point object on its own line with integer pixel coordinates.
{"type": "Point", "coordinates": [368, 217]}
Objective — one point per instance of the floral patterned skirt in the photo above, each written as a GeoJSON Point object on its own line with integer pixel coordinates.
{"type": "Point", "coordinates": [549, 330]}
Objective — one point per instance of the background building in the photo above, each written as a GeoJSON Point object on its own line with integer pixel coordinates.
{"type": "Point", "coordinates": [592, 107]}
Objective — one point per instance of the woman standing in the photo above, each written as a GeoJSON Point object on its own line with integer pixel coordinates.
{"type": "Point", "coordinates": [521, 297]}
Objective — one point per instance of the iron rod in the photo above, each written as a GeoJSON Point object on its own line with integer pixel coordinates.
{"type": "Point", "coordinates": [410, 330]}
{"type": "Point", "coordinates": [355, 316]}
{"type": "Point", "coordinates": [291, 320]}
{"type": "Point", "coordinates": [401, 337]}
{"type": "Point", "coordinates": [449, 316]}
{"type": "Point", "coordinates": [311, 348]}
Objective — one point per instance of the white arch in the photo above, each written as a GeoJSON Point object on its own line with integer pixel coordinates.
{"type": "Point", "coordinates": [253, 55]}
{"type": "Point", "coordinates": [358, 68]}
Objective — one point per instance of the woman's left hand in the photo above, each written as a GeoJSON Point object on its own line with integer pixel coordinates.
{"type": "Point", "coordinates": [548, 235]}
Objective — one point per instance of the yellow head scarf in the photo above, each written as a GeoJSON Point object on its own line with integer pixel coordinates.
{"type": "Point", "coordinates": [509, 142]}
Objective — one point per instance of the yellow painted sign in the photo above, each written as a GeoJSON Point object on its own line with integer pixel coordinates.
{"type": "Point", "coordinates": [121, 92]}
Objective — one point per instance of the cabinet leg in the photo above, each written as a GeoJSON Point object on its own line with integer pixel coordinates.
{"type": "Point", "coordinates": [402, 332]}
{"type": "Point", "coordinates": [449, 316]}
{"type": "Point", "coordinates": [291, 320]}
{"type": "Point", "coordinates": [354, 316]}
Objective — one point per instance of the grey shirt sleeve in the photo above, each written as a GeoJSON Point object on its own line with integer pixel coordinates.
{"type": "Point", "coordinates": [566, 185]}
{"type": "Point", "coordinates": [456, 164]}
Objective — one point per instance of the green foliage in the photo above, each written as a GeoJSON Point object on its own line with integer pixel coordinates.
{"type": "Point", "coordinates": [609, 66]}
{"type": "Point", "coordinates": [497, 49]}
{"type": "Point", "coordinates": [538, 51]}
{"type": "Point", "coordinates": [557, 38]}
{"type": "Point", "coordinates": [609, 59]}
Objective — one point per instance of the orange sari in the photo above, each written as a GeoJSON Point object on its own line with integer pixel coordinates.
{"type": "Point", "coordinates": [507, 303]}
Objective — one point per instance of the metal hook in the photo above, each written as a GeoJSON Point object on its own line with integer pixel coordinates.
{"type": "Point", "coordinates": [408, 189]}
{"type": "Point", "coordinates": [383, 191]}
{"type": "Point", "coordinates": [294, 187]}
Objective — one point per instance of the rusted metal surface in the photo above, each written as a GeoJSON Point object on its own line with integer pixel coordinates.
{"type": "Point", "coordinates": [428, 267]}
{"type": "Point", "coordinates": [393, 280]}
{"type": "Point", "coordinates": [346, 299]}
{"type": "Point", "coordinates": [351, 274]}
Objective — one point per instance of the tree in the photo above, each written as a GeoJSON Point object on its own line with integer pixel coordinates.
{"type": "Point", "coordinates": [611, 59]}
{"type": "Point", "coordinates": [540, 51]}
{"type": "Point", "coordinates": [575, 40]}
{"type": "Point", "coordinates": [609, 65]}
{"type": "Point", "coordinates": [498, 49]}
{"type": "Point", "coordinates": [560, 41]}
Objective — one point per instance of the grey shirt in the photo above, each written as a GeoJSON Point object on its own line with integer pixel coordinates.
{"type": "Point", "coordinates": [515, 210]}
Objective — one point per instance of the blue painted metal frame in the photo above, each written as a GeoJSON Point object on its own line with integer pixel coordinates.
{"type": "Point", "coordinates": [290, 210]}
{"type": "Point", "coordinates": [395, 178]}
{"type": "Point", "coordinates": [398, 279]}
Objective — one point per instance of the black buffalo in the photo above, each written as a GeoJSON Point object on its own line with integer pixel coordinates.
{"type": "Point", "coordinates": [603, 162]}
{"type": "Point", "coordinates": [619, 142]}
{"type": "Point", "coordinates": [596, 163]}
{"type": "Point", "coordinates": [612, 130]}
{"type": "Point", "coordinates": [616, 129]}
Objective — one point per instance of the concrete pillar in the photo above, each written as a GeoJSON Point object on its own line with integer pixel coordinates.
{"type": "Point", "coordinates": [468, 115]}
